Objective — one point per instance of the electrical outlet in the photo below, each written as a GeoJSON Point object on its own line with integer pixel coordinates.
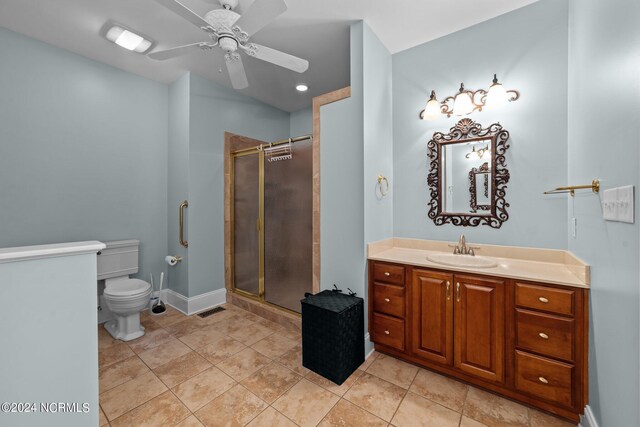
{"type": "Point", "coordinates": [609, 210]}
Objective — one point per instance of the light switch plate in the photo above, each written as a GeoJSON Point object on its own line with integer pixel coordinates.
{"type": "Point", "coordinates": [609, 207]}
{"type": "Point", "coordinates": [625, 204]}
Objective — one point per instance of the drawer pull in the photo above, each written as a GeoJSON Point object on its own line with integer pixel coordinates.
{"type": "Point", "coordinates": [386, 273]}
{"type": "Point", "coordinates": [543, 336]}
{"type": "Point", "coordinates": [387, 300]}
{"type": "Point", "coordinates": [543, 380]}
{"type": "Point", "coordinates": [386, 332]}
{"type": "Point", "coordinates": [543, 300]}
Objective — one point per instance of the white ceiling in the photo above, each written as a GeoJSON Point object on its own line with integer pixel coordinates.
{"type": "Point", "coordinates": [317, 30]}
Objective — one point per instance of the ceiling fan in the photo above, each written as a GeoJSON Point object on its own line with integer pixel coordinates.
{"type": "Point", "coordinates": [230, 32]}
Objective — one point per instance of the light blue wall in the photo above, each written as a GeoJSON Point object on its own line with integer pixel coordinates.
{"type": "Point", "coordinates": [301, 122]}
{"type": "Point", "coordinates": [527, 48]}
{"type": "Point", "coordinates": [83, 151]}
{"type": "Point", "coordinates": [214, 109]}
{"type": "Point", "coordinates": [377, 141]}
{"type": "Point", "coordinates": [49, 341]}
{"type": "Point", "coordinates": [342, 256]}
{"type": "Point", "coordinates": [178, 180]}
{"type": "Point", "coordinates": [604, 130]}
{"type": "Point", "coordinates": [355, 146]}
{"type": "Point", "coordinates": [378, 136]}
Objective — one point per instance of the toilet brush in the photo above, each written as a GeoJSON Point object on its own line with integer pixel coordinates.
{"type": "Point", "coordinates": [159, 307]}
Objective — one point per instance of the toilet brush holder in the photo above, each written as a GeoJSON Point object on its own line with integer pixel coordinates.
{"type": "Point", "coordinates": [153, 301]}
{"type": "Point", "coordinates": [159, 308]}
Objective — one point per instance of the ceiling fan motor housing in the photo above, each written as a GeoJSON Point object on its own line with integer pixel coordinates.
{"type": "Point", "coordinates": [221, 20]}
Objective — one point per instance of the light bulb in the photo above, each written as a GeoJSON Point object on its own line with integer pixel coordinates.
{"type": "Point", "coordinates": [497, 94]}
{"type": "Point", "coordinates": [462, 104]}
{"type": "Point", "coordinates": [432, 110]}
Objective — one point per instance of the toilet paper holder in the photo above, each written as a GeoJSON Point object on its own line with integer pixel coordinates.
{"type": "Point", "coordinates": [172, 259]}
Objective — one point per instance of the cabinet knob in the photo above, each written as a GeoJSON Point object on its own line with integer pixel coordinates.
{"type": "Point", "coordinates": [543, 300]}
{"type": "Point", "coordinates": [387, 300]}
{"type": "Point", "coordinates": [386, 332]}
{"type": "Point", "coordinates": [543, 380]}
{"type": "Point", "coordinates": [543, 336]}
{"type": "Point", "coordinates": [386, 273]}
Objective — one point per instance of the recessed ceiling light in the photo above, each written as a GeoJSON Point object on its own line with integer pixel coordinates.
{"type": "Point", "coordinates": [128, 39]}
{"type": "Point", "coordinates": [302, 88]}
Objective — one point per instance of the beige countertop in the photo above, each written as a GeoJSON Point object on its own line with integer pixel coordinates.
{"type": "Point", "coordinates": [539, 265]}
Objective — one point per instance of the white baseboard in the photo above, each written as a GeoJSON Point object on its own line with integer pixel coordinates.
{"type": "Point", "coordinates": [366, 341]}
{"type": "Point", "coordinates": [588, 419]}
{"type": "Point", "coordinates": [195, 304]}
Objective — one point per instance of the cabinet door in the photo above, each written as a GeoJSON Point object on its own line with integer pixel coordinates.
{"type": "Point", "coordinates": [479, 327]}
{"type": "Point", "coordinates": [432, 316]}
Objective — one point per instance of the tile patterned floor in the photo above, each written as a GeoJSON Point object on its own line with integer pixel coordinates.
{"type": "Point", "coordinates": [234, 369]}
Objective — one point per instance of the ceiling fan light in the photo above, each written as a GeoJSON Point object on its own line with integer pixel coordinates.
{"type": "Point", "coordinates": [302, 88]}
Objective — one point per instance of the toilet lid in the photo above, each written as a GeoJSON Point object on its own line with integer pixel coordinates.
{"type": "Point", "coordinates": [127, 287]}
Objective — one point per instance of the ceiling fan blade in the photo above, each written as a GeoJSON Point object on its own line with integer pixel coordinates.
{"type": "Point", "coordinates": [236, 70]}
{"type": "Point", "coordinates": [259, 14]}
{"type": "Point", "coordinates": [183, 11]}
{"type": "Point", "coordinates": [161, 55]}
{"type": "Point", "coordinates": [276, 57]}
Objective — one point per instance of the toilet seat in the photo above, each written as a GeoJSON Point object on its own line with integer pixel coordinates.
{"type": "Point", "coordinates": [125, 288]}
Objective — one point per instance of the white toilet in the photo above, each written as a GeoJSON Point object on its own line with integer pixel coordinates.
{"type": "Point", "coordinates": [125, 297]}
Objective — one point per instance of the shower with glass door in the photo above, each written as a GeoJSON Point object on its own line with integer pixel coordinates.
{"type": "Point", "coordinates": [272, 222]}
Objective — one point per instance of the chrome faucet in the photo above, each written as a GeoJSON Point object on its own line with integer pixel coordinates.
{"type": "Point", "coordinates": [462, 249]}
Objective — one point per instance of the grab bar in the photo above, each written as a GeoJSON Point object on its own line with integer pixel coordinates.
{"type": "Point", "coordinates": [183, 205]}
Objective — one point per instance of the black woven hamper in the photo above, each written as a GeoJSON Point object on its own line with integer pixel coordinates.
{"type": "Point", "coordinates": [332, 334]}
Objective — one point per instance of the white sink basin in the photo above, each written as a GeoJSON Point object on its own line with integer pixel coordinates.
{"type": "Point", "coordinates": [462, 260]}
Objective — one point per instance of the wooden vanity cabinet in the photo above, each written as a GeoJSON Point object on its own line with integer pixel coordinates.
{"type": "Point", "coordinates": [479, 327]}
{"type": "Point", "coordinates": [431, 327]}
{"type": "Point", "coordinates": [526, 341]}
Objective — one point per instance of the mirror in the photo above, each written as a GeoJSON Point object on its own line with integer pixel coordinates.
{"type": "Point", "coordinates": [468, 175]}
{"type": "Point", "coordinates": [462, 163]}
{"type": "Point", "coordinates": [479, 189]}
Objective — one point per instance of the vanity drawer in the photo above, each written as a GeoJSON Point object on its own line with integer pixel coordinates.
{"type": "Point", "coordinates": [388, 331]}
{"type": "Point", "coordinates": [545, 334]}
{"type": "Point", "coordinates": [545, 298]}
{"type": "Point", "coordinates": [388, 299]}
{"type": "Point", "coordinates": [388, 273]}
{"type": "Point", "coordinates": [544, 378]}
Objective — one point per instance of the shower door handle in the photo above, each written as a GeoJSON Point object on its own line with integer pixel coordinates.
{"type": "Point", "coordinates": [183, 205]}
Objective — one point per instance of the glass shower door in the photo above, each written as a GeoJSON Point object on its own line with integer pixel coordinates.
{"type": "Point", "coordinates": [246, 215]}
{"type": "Point", "coordinates": [288, 216]}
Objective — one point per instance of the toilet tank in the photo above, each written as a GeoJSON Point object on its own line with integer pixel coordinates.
{"type": "Point", "coordinates": [118, 259]}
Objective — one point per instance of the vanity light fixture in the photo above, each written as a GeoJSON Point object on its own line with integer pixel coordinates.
{"type": "Point", "coordinates": [467, 101]}
{"type": "Point", "coordinates": [498, 95]}
{"type": "Point", "coordinates": [480, 152]}
{"type": "Point", "coordinates": [128, 39]}
{"type": "Point", "coordinates": [432, 110]}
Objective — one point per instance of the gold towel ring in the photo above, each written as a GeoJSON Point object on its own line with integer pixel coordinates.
{"type": "Point", "coordinates": [385, 191]}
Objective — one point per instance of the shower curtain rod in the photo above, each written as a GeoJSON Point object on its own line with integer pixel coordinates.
{"type": "Point", "coordinates": [272, 144]}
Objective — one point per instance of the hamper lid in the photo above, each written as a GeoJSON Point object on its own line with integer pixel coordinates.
{"type": "Point", "coordinates": [332, 301]}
